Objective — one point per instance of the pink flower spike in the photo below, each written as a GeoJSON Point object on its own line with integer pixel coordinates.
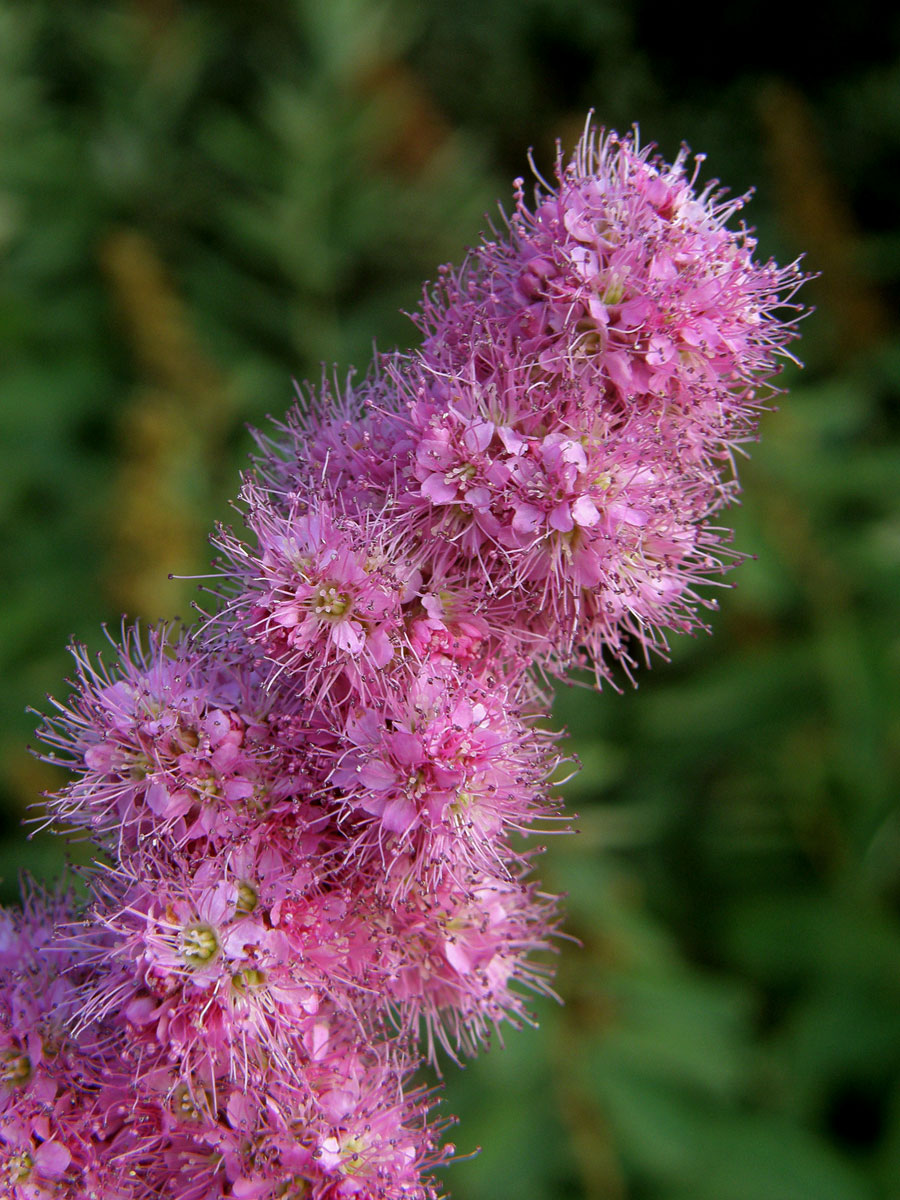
{"type": "Point", "coordinates": [316, 813]}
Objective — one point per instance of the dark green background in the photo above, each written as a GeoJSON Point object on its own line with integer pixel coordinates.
{"type": "Point", "coordinates": [200, 201]}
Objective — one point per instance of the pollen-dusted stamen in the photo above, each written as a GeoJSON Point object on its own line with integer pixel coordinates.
{"type": "Point", "coordinates": [199, 944]}
{"type": "Point", "coordinates": [415, 783]}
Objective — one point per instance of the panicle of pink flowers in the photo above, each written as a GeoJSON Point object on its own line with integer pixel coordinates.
{"type": "Point", "coordinates": [316, 813]}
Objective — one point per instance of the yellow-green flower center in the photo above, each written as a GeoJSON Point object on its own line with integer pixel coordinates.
{"type": "Point", "coordinates": [248, 979]}
{"type": "Point", "coordinates": [294, 1189]}
{"type": "Point", "coordinates": [460, 802]}
{"type": "Point", "coordinates": [20, 1167]}
{"type": "Point", "coordinates": [187, 1107]}
{"type": "Point", "coordinates": [330, 602]}
{"type": "Point", "coordinates": [352, 1147]}
{"type": "Point", "coordinates": [615, 292]}
{"type": "Point", "coordinates": [15, 1069]}
{"type": "Point", "coordinates": [139, 767]}
{"type": "Point", "coordinates": [199, 944]}
{"type": "Point", "coordinates": [590, 339]}
{"type": "Point", "coordinates": [247, 897]}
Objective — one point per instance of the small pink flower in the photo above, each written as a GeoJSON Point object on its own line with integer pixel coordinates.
{"type": "Point", "coordinates": [441, 774]}
{"type": "Point", "coordinates": [322, 599]}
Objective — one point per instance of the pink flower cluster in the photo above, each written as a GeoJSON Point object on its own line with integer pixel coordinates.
{"type": "Point", "coordinates": [316, 812]}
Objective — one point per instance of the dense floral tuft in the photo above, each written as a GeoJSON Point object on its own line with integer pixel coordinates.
{"type": "Point", "coordinates": [318, 811]}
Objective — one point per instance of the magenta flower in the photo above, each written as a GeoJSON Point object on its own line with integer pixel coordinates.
{"type": "Point", "coordinates": [353, 1128]}
{"type": "Point", "coordinates": [582, 385]}
{"type": "Point", "coordinates": [58, 1131]}
{"type": "Point", "coordinates": [167, 740]}
{"type": "Point", "coordinates": [348, 448]}
{"type": "Point", "coordinates": [625, 281]}
{"type": "Point", "coordinates": [438, 775]}
{"type": "Point", "coordinates": [321, 597]}
{"type": "Point", "coordinates": [231, 967]}
{"type": "Point", "coordinates": [465, 958]}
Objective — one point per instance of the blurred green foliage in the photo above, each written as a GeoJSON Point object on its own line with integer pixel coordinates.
{"type": "Point", "coordinates": [200, 201]}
